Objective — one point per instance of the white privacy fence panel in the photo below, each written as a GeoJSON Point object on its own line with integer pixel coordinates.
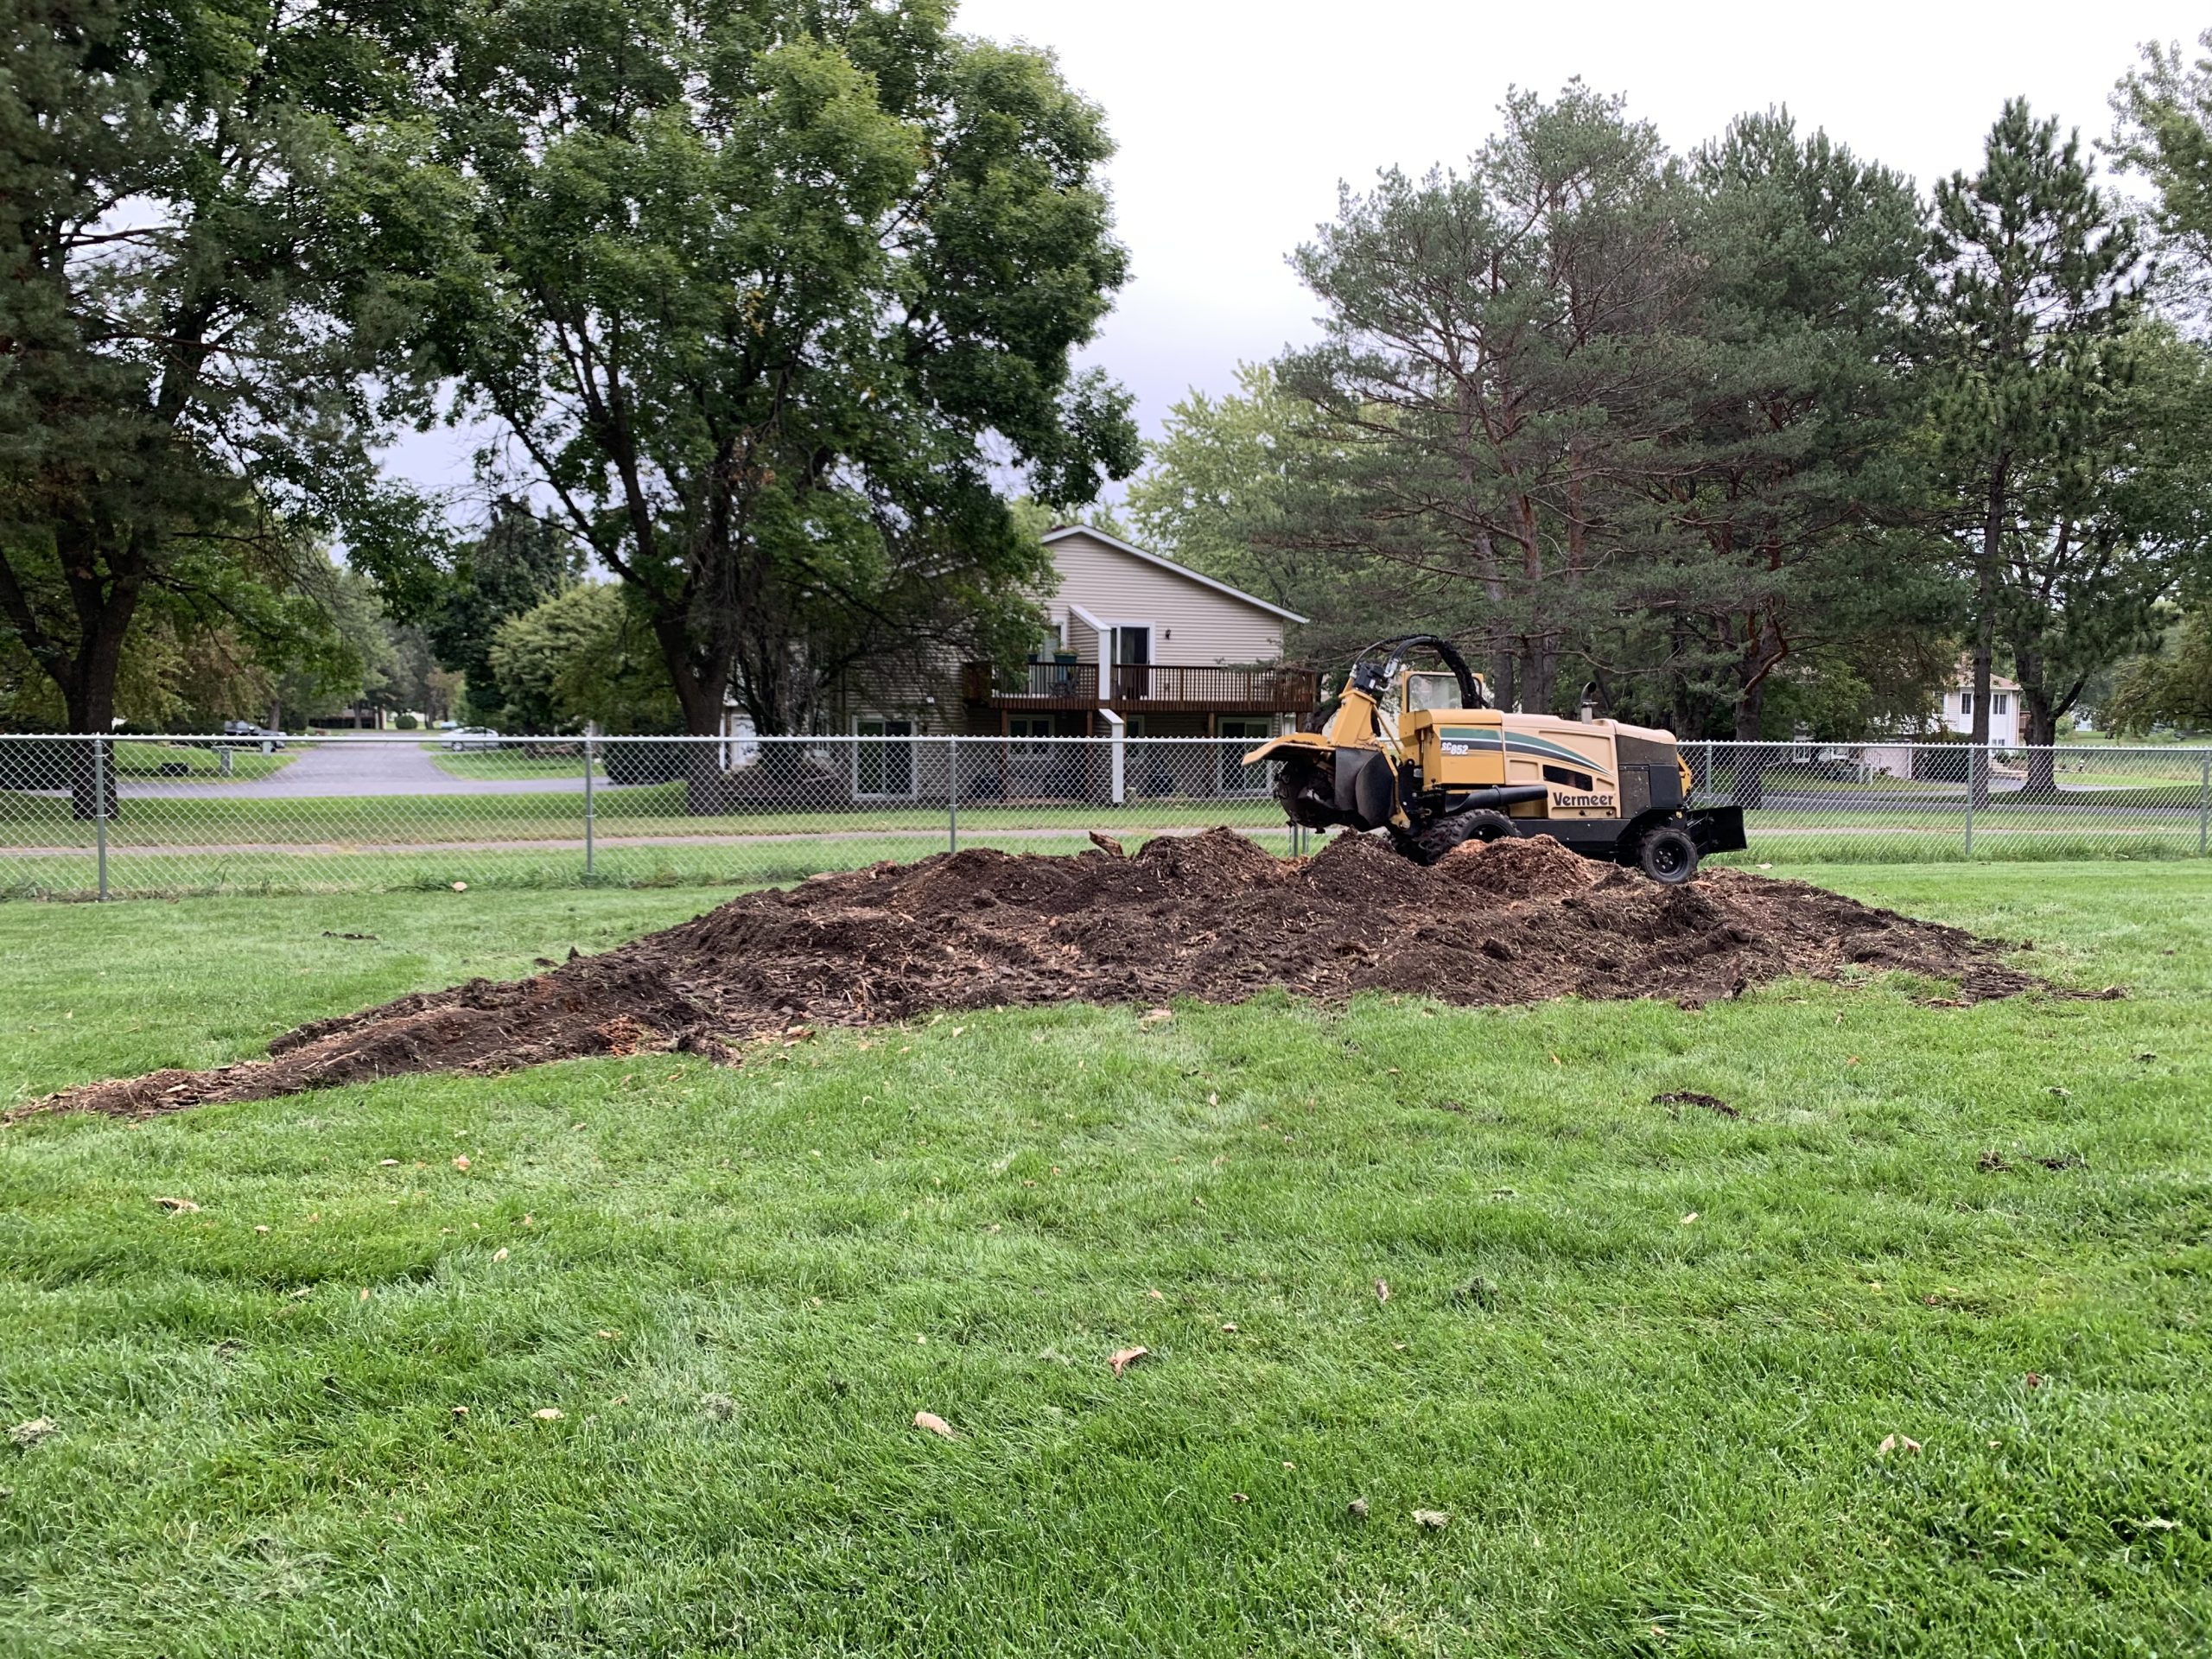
{"type": "Point", "coordinates": [86, 818]}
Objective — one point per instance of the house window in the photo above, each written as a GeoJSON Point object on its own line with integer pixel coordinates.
{"type": "Point", "coordinates": [1966, 704]}
{"type": "Point", "coordinates": [1999, 702]}
{"type": "Point", "coordinates": [883, 760]}
{"type": "Point", "coordinates": [1132, 642]}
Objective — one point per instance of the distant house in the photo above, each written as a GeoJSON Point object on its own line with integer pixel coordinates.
{"type": "Point", "coordinates": [1141, 640]}
{"type": "Point", "coordinates": [1956, 711]}
{"type": "Point", "coordinates": [1137, 646]}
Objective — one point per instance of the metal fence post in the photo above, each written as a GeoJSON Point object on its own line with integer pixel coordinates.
{"type": "Point", "coordinates": [100, 807]}
{"type": "Point", "coordinates": [591, 848]}
{"type": "Point", "coordinates": [2204, 804]}
{"type": "Point", "coordinates": [952, 795]}
{"type": "Point", "coordinates": [1971, 769]}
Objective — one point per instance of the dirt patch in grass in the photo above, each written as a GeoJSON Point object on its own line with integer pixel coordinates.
{"type": "Point", "coordinates": [1209, 916]}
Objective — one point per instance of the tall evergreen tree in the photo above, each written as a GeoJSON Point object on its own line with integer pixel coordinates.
{"type": "Point", "coordinates": [2040, 280]}
{"type": "Point", "coordinates": [1792, 482]}
{"type": "Point", "coordinates": [1493, 341]}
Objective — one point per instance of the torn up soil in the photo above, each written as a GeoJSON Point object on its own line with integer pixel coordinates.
{"type": "Point", "coordinates": [1210, 916]}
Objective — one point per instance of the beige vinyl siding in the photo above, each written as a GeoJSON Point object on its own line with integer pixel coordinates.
{"type": "Point", "coordinates": [1192, 626]}
{"type": "Point", "coordinates": [902, 692]}
{"type": "Point", "coordinates": [1083, 638]}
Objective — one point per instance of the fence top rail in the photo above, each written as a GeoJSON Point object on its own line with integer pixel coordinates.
{"type": "Point", "coordinates": [487, 740]}
{"type": "Point", "coordinates": [516, 740]}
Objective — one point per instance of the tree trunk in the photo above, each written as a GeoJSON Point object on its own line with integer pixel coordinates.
{"type": "Point", "coordinates": [91, 761]}
{"type": "Point", "coordinates": [1748, 786]}
{"type": "Point", "coordinates": [1985, 638]}
{"type": "Point", "coordinates": [2042, 734]}
{"type": "Point", "coordinates": [705, 787]}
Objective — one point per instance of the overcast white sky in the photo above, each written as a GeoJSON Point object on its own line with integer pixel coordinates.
{"type": "Point", "coordinates": [1237, 118]}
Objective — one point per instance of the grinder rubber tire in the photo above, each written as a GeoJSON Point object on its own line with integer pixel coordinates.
{"type": "Point", "coordinates": [1440, 838]}
{"type": "Point", "coordinates": [1667, 855]}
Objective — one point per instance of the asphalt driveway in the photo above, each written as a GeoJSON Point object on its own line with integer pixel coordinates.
{"type": "Point", "coordinates": [347, 766]}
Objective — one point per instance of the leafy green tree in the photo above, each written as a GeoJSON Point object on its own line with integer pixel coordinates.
{"type": "Point", "coordinates": [2040, 280]}
{"type": "Point", "coordinates": [2171, 686]}
{"type": "Point", "coordinates": [517, 563]}
{"type": "Point", "coordinates": [766, 298]}
{"type": "Point", "coordinates": [1224, 490]}
{"type": "Point", "coordinates": [582, 657]}
{"type": "Point", "coordinates": [200, 201]}
{"type": "Point", "coordinates": [2164, 132]}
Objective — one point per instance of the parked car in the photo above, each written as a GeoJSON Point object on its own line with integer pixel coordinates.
{"type": "Point", "coordinates": [473, 737]}
{"type": "Point", "coordinates": [267, 736]}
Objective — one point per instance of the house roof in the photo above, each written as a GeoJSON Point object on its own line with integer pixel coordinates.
{"type": "Point", "coordinates": [1061, 532]}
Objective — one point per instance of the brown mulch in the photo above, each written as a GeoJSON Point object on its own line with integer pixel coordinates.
{"type": "Point", "coordinates": [1210, 916]}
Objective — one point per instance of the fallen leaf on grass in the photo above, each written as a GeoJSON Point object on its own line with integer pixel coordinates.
{"type": "Point", "coordinates": [1240, 1498]}
{"type": "Point", "coordinates": [719, 1406]}
{"type": "Point", "coordinates": [26, 1435]}
{"type": "Point", "coordinates": [1357, 1508]}
{"type": "Point", "coordinates": [1382, 1290]}
{"type": "Point", "coordinates": [547, 1414]}
{"type": "Point", "coordinates": [1689, 1219]}
{"type": "Point", "coordinates": [1434, 1520]}
{"type": "Point", "coordinates": [461, 886]}
{"type": "Point", "coordinates": [935, 1424]}
{"type": "Point", "coordinates": [1231, 1328]}
{"type": "Point", "coordinates": [388, 1163]}
{"type": "Point", "coordinates": [1155, 1295]}
{"type": "Point", "coordinates": [500, 1255]}
{"type": "Point", "coordinates": [1121, 1358]}
{"type": "Point", "coordinates": [1153, 1016]}
{"type": "Point", "coordinates": [2034, 1379]}
{"type": "Point", "coordinates": [179, 1206]}
{"type": "Point", "coordinates": [462, 1164]}
{"type": "Point", "coordinates": [1896, 1443]}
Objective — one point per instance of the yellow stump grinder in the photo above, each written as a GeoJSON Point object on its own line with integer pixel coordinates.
{"type": "Point", "coordinates": [1423, 755]}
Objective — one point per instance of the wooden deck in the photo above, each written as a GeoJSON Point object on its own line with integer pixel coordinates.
{"type": "Point", "coordinates": [1143, 688]}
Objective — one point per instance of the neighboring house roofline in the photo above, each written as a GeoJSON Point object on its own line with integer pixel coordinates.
{"type": "Point", "coordinates": [1121, 546]}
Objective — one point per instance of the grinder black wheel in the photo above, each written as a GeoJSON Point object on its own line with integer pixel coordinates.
{"type": "Point", "coordinates": [1667, 855]}
{"type": "Point", "coordinates": [1440, 838]}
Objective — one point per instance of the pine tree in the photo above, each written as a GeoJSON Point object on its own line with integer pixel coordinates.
{"type": "Point", "coordinates": [2040, 280]}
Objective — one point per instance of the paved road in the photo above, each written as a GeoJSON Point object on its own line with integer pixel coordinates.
{"type": "Point", "coordinates": [345, 768]}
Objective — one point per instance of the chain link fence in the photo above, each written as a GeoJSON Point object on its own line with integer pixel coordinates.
{"type": "Point", "coordinates": [83, 818]}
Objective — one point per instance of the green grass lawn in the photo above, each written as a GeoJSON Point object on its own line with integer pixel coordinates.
{"type": "Point", "coordinates": [508, 762]}
{"type": "Point", "coordinates": [203, 764]}
{"type": "Point", "coordinates": [1645, 1359]}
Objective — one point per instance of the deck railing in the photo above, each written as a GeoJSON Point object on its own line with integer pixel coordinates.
{"type": "Point", "coordinates": [1135, 687]}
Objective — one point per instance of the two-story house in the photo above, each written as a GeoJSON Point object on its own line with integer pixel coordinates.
{"type": "Point", "coordinates": [1138, 647]}
{"type": "Point", "coordinates": [1143, 642]}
